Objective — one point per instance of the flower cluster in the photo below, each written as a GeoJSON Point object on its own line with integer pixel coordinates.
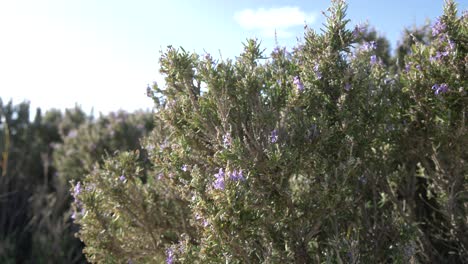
{"type": "Point", "coordinates": [227, 140]}
{"type": "Point", "coordinates": [449, 47]}
{"type": "Point", "coordinates": [219, 182]}
{"type": "Point", "coordinates": [77, 191]}
{"type": "Point", "coordinates": [274, 136]}
{"type": "Point", "coordinates": [169, 256]}
{"type": "Point", "coordinates": [149, 92]}
{"type": "Point", "coordinates": [237, 175]}
{"type": "Point", "coordinates": [440, 89]}
{"type": "Point", "coordinates": [198, 217]}
{"type": "Point", "coordinates": [220, 178]}
{"type": "Point", "coordinates": [359, 29]}
{"type": "Point", "coordinates": [369, 46]}
{"type": "Point", "coordinates": [298, 83]}
{"type": "Point", "coordinates": [438, 27]}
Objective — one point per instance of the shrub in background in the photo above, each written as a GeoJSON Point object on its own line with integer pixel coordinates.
{"type": "Point", "coordinates": [33, 225]}
{"type": "Point", "coordinates": [85, 145]}
{"type": "Point", "coordinates": [35, 217]}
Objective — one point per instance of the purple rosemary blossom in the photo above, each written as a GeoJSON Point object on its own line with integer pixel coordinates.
{"type": "Point", "coordinates": [438, 27]}
{"type": "Point", "coordinates": [317, 72]}
{"type": "Point", "coordinates": [274, 136]}
{"type": "Point", "coordinates": [219, 182]}
{"type": "Point", "coordinates": [368, 46]}
{"type": "Point", "coordinates": [358, 30]}
{"type": "Point", "coordinates": [439, 55]}
{"type": "Point", "coordinates": [184, 167]}
{"type": "Point", "coordinates": [169, 256]}
{"type": "Point", "coordinates": [160, 176]}
{"type": "Point", "coordinates": [237, 175]}
{"type": "Point", "coordinates": [440, 89]}
{"type": "Point", "coordinates": [149, 93]}
{"type": "Point", "coordinates": [373, 60]}
{"type": "Point", "coordinates": [122, 178]}
{"type": "Point", "coordinates": [204, 221]}
{"type": "Point", "coordinates": [227, 140]}
{"type": "Point", "coordinates": [408, 67]}
{"type": "Point", "coordinates": [347, 87]}
{"type": "Point", "coordinates": [77, 190]}
{"type": "Point", "coordinates": [298, 83]}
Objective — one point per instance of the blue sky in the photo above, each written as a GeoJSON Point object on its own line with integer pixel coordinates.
{"type": "Point", "coordinates": [103, 53]}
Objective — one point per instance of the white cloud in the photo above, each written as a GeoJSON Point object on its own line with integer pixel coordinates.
{"type": "Point", "coordinates": [269, 21]}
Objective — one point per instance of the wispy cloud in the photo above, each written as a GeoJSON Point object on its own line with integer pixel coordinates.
{"type": "Point", "coordinates": [280, 20]}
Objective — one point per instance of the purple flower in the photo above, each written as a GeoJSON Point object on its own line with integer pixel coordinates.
{"type": "Point", "coordinates": [227, 140]}
{"type": "Point", "coordinates": [160, 176]}
{"type": "Point", "coordinates": [149, 93]}
{"type": "Point", "coordinates": [408, 67]}
{"type": "Point", "coordinates": [317, 72]}
{"type": "Point", "coordinates": [440, 89]}
{"type": "Point", "coordinates": [274, 136]}
{"type": "Point", "coordinates": [169, 256]}
{"type": "Point", "coordinates": [368, 46]}
{"type": "Point", "coordinates": [237, 175]}
{"type": "Point", "coordinates": [373, 60]}
{"type": "Point", "coordinates": [77, 190]}
{"type": "Point", "coordinates": [184, 167]}
{"type": "Point", "coordinates": [219, 182]}
{"type": "Point", "coordinates": [358, 30]}
{"type": "Point", "coordinates": [439, 55]}
{"type": "Point", "coordinates": [298, 83]}
{"type": "Point", "coordinates": [122, 178]}
{"type": "Point", "coordinates": [438, 27]}
{"type": "Point", "coordinates": [347, 87]}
